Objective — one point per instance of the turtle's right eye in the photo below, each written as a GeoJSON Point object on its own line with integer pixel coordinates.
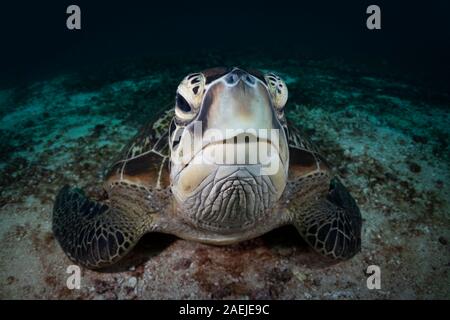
{"type": "Point", "coordinates": [183, 109]}
{"type": "Point", "coordinates": [182, 104]}
{"type": "Point", "coordinates": [189, 96]}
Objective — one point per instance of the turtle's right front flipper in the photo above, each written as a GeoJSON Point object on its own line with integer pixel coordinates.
{"type": "Point", "coordinates": [94, 234]}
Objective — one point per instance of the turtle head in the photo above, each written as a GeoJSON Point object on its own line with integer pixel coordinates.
{"type": "Point", "coordinates": [229, 151]}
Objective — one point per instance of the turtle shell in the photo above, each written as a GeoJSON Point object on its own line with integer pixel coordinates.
{"type": "Point", "coordinates": [304, 157]}
{"type": "Point", "coordinates": [145, 160]}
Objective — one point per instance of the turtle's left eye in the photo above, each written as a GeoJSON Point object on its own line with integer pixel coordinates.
{"type": "Point", "coordinates": [278, 90]}
{"type": "Point", "coordinates": [189, 96]}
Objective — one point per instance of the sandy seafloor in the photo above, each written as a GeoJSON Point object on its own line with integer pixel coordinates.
{"type": "Point", "coordinates": [388, 138]}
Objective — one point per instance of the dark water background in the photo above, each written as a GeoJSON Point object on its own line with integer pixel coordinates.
{"type": "Point", "coordinates": [414, 41]}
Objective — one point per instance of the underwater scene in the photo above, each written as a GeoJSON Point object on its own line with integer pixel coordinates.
{"type": "Point", "coordinates": [365, 156]}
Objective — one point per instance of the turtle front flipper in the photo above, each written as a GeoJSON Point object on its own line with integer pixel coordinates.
{"type": "Point", "coordinates": [94, 234]}
{"type": "Point", "coordinates": [332, 226]}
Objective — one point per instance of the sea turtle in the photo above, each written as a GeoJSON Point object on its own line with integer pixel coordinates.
{"type": "Point", "coordinates": [169, 180]}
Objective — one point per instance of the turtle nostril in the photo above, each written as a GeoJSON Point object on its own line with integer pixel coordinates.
{"type": "Point", "coordinates": [236, 75]}
{"type": "Point", "coordinates": [232, 78]}
{"type": "Point", "coordinates": [240, 73]}
{"type": "Point", "coordinates": [249, 79]}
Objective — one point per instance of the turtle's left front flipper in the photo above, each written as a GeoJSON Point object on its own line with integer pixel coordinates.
{"type": "Point", "coordinates": [332, 226]}
{"type": "Point", "coordinates": [94, 234]}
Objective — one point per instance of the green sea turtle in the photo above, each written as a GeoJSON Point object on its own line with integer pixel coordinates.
{"type": "Point", "coordinates": [169, 178]}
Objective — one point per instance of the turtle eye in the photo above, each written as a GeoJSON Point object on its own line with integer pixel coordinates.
{"type": "Point", "coordinates": [182, 104]}
{"type": "Point", "coordinates": [183, 110]}
{"type": "Point", "coordinates": [189, 96]}
{"type": "Point", "coordinates": [278, 90]}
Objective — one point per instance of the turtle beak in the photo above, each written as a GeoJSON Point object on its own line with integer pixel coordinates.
{"type": "Point", "coordinates": [239, 101]}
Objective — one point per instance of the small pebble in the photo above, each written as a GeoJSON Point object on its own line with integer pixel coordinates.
{"type": "Point", "coordinates": [316, 282]}
{"type": "Point", "coordinates": [132, 282]}
{"type": "Point", "coordinates": [299, 275]}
